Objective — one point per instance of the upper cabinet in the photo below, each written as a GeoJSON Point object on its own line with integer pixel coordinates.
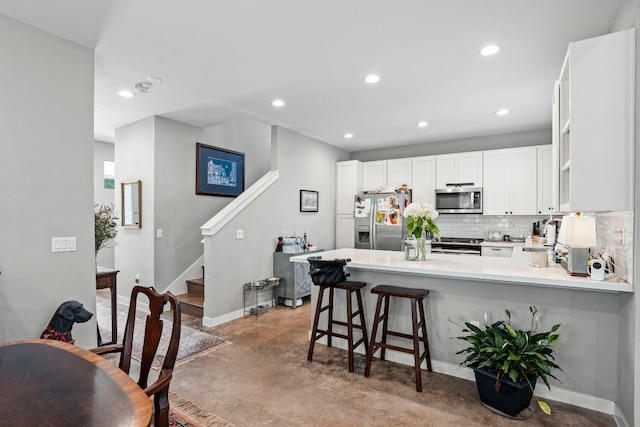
{"type": "Point", "coordinates": [399, 172]}
{"type": "Point", "coordinates": [393, 173]}
{"type": "Point", "coordinates": [374, 175]}
{"type": "Point", "coordinates": [547, 180]}
{"type": "Point", "coordinates": [348, 184]}
{"type": "Point", "coordinates": [423, 177]}
{"type": "Point", "coordinates": [510, 181]}
{"type": "Point", "coordinates": [459, 168]}
{"type": "Point", "coordinates": [594, 129]}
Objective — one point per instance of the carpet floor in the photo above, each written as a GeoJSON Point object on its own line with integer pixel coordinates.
{"type": "Point", "coordinates": [264, 379]}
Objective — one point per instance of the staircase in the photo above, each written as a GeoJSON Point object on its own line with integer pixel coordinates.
{"type": "Point", "coordinates": [192, 303]}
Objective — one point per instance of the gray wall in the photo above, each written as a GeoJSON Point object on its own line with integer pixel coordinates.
{"type": "Point", "coordinates": [178, 211]}
{"type": "Point", "coordinates": [479, 143]}
{"type": "Point", "coordinates": [162, 153]}
{"type": "Point", "coordinates": [587, 319]}
{"type": "Point", "coordinates": [46, 172]}
{"type": "Point", "coordinates": [134, 157]}
{"type": "Point", "coordinates": [628, 374]}
{"type": "Point", "coordinates": [304, 163]}
{"type": "Point", "coordinates": [103, 151]}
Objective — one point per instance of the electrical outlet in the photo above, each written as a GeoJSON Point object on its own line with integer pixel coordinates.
{"type": "Point", "coordinates": [239, 234]}
{"type": "Point", "coordinates": [137, 278]}
{"type": "Point", "coordinates": [159, 233]}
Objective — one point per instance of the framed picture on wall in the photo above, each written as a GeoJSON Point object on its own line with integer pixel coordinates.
{"type": "Point", "coordinates": [308, 201]}
{"type": "Point", "coordinates": [219, 172]}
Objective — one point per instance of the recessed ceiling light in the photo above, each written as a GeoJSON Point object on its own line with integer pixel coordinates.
{"type": "Point", "coordinates": [489, 50]}
{"type": "Point", "coordinates": [278, 103]}
{"type": "Point", "coordinates": [423, 124]}
{"type": "Point", "coordinates": [502, 112]}
{"type": "Point", "coordinates": [372, 78]}
{"type": "Point", "coordinates": [348, 135]}
{"type": "Point", "coordinates": [126, 94]}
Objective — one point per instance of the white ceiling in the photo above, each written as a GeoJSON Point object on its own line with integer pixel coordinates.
{"type": "Point", "coordinates": [223, 60]}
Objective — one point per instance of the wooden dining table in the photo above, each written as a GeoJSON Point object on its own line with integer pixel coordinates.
{"type": "Point", "coordinates": [51, 383]}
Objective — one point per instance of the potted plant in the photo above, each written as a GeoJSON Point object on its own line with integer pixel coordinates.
{"type": "Point", "coordinates": [105, 225]}
{"type": "Point", "coordinates": [420, 222]}
{"type": "Point", "coordinates": [508, 361]}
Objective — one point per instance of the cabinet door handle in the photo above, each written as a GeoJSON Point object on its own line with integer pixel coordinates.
{"type": "Point", "coordinates": [496, 249]}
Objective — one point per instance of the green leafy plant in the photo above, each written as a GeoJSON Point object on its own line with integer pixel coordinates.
{"type": "Point", "coordinates": [106, 223]}
{"type": "Point", "coordinates": [420, 217]}
{"type": "Point", "coordinates": [513, 353]}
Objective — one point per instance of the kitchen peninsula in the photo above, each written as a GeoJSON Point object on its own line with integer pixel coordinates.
{"type": "Point", "coordinates": [465, 287]}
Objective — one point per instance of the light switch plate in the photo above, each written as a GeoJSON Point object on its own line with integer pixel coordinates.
{"type": "Point", "coordinates": [239, 234]}
{"type": "Point", "coordinates": [63, 244]}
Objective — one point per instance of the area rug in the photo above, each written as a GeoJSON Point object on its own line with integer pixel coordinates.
{"type": "Point", "coordinates": [184, 413]}
{"type": "Point", "coordinates": [194, 343]}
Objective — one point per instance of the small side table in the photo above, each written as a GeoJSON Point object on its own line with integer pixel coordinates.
{"type": "Point", "coordinates": [106, 278]}
{"type": "Point", "coordinates": [257, 288]}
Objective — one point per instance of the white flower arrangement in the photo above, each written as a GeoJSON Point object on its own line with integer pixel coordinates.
{"type": "Point", "coordinates": [420, 217]}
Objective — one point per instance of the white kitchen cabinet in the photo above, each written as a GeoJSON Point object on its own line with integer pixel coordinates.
{"type": "Point", "coordinates": [374, 175]}
{"type": "Point", "coordinates": [596, 124]}
{"type": "Point", "coordinates": [547, 181]}
{"type": "Point", "coordinates": [423, 179]}
{"type": "Point", "coordinates": [382, 173]}
{"type": "Point", "coordinates": [345, 231]}
{"type": "Point", "coordinates": [459, 168]}
{"type": "Point", "coordinates": [510, 181]}
{"type": "Point", "coordinates": [399, 172]}
{"type": "Point", "coordinates": [496, 251]}
{"type": "Point", "coordinates": [348, 184]}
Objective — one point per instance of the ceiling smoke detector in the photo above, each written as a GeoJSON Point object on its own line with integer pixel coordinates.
{"type": "Point", "coordinates": [142, 87]}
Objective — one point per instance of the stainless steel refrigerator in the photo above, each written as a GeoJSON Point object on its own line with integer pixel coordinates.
{"type": "Point", "coordinates": [379, 223]}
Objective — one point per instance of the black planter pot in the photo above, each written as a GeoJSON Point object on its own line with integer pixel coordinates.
{"type": "Point", "coordinates": [512, 397]}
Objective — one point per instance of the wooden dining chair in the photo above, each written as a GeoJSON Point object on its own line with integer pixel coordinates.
{"type": "Point", "coordinates": [152, 334]}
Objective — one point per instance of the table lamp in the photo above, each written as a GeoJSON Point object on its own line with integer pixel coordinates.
{"type": "Point", "coordinates": [577, 234]}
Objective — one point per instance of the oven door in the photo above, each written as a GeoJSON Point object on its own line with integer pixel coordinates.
{"type": "Point", "coordinates": [448, 248]}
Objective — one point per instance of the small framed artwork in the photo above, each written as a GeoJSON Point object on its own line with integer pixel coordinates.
{"type": "Point", "coordinates": [308, 201]}
{"type": "Point", "coordinates": [219, 172]}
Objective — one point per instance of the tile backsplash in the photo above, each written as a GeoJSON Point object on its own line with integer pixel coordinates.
{"type": "Point", "coordinates": [614, 231]}
{"type": "Point", "coordinates": [453, 225]}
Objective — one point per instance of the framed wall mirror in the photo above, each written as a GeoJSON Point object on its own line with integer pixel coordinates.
{"type": "Point", "coordinates": [131, 193]}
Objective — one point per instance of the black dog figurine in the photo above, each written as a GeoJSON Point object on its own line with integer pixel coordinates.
{"type": "Point", "coordinates": [67, 314]}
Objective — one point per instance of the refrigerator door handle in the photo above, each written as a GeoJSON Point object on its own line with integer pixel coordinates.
{"type": "Point", "coordinates": [372, 223]}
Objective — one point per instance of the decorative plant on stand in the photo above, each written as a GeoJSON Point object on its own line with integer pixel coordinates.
{"type": "Point", "coordinates": [420, 221]}
{"type": "Point", "coordinates": [106, 223]}
{"type": "Point", "coordinates": [508, 360]}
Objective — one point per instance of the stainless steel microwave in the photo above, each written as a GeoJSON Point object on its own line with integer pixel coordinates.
{"type": "Point", "coordinates": [459, 200]}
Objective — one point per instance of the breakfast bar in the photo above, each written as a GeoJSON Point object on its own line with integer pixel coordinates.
{"type": "Point", "coordinates": [479, 289]}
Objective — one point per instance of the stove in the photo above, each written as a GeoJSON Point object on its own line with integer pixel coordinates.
{"type": "Point", "coordinates": [457, 245]}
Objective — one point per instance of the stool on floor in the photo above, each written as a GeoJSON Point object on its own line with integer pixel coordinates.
{"type": "Point", "coordinates": [321, 276]}
{"type": "Point", "coordinates": [416, 296]}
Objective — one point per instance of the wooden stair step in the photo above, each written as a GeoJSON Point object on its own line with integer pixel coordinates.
{"type": "Point", "coordinates": [190, 304]}
{"type": "Point", "coordinates": [196, 286]}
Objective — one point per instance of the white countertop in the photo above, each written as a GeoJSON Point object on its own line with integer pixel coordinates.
{"type": "Point", "coordinates": [516, 269]}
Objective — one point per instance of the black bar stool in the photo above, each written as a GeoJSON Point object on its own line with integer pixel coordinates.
{"type": "Point", "coordinates": [330, 274]}
{"type": "Point", "coordinates": [417, 297]}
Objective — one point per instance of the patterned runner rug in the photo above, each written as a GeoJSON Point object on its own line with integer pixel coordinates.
{"type": "Point", "coordinates": [195, 339]}
{"type": "Point", "coordinates": [184, 413]}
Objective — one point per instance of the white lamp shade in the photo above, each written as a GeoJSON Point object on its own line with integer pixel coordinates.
{"type": "Point", "coordinates": [578, 231]}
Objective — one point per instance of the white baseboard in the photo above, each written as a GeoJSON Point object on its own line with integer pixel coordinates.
{"type": "Point", "coordinates": [618, 415]}
{"type": "Point", "coordinates": [556, 393]}
{"type": "Point", "coordinates": [215, 321]}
